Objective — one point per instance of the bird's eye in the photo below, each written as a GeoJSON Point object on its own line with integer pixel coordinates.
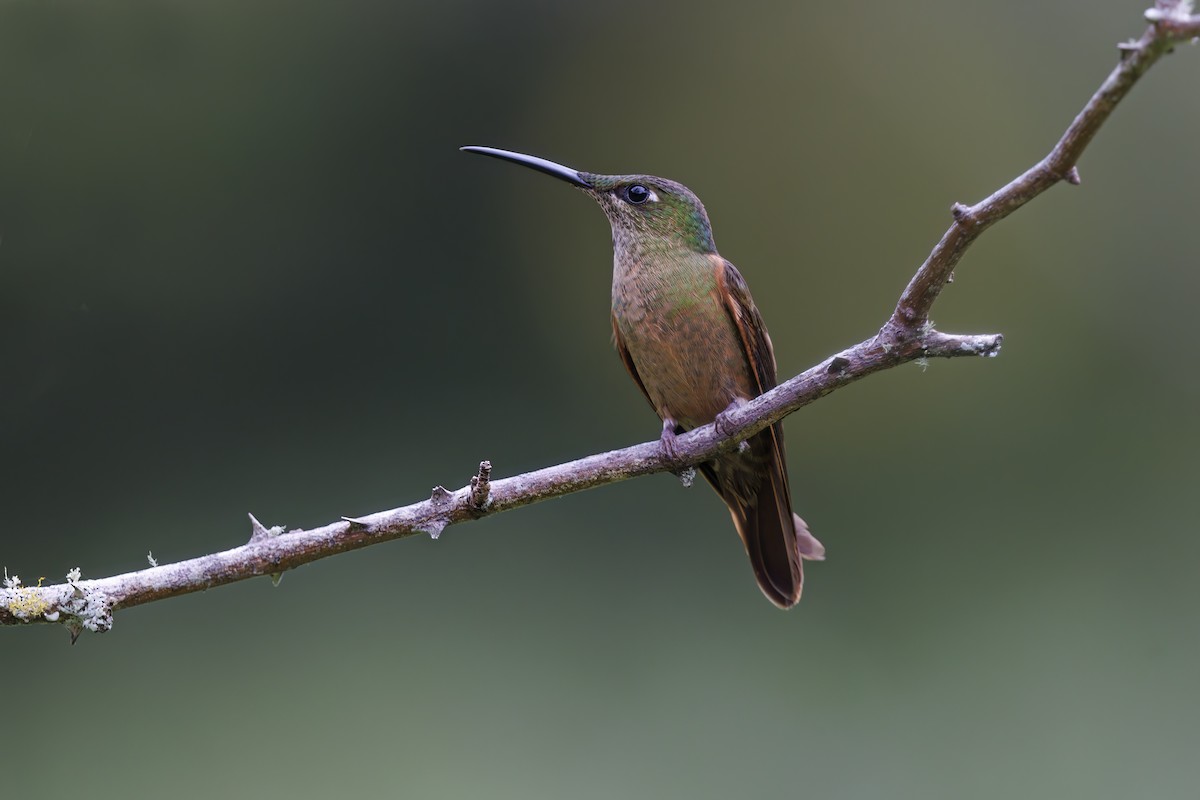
{"type": "Point", "coordinates": [637, 194]}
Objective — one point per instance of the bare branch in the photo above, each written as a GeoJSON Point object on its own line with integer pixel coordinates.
{"type": "Point", "coordinates": [271, 551]}
{"type": "Point", "coordinates": [1170, 24]}
{"type": "Point", "coordinates": [907, 336]}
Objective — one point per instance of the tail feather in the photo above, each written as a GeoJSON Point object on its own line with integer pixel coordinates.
{"type": "Point", "coordinates": [754, 485]}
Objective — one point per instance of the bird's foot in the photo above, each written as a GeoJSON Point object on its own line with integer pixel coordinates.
{"type": "Point", "coordinates": [722, 424]}
{"type": "Point", "coordinates": [667, 440]}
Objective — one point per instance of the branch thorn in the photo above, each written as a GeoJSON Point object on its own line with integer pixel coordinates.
{"type": "Point", "coordinates": [258, 531]}
{"type": "Point", "coordinates": [434, 527]}
{"type": "Point", "coordinates": [439, 496]}
{"type": "Point", "coordinates": [1072, 176]}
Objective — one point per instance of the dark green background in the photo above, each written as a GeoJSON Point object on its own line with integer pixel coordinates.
{"type": "Point", "coordinates": [244, 268]}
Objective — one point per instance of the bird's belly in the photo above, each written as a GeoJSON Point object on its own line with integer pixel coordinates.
{"type": "Point", "coordinates": [690, 360]}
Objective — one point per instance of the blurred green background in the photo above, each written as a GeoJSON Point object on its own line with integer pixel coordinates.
{"type": "Point", "coordinates": [244, 268]}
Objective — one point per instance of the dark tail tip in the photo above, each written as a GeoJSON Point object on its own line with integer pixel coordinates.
{"type": "Point", "coordinates": [770, 536]}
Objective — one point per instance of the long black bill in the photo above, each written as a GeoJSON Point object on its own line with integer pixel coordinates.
{"type": "Point", "coordinates": [533, 162]}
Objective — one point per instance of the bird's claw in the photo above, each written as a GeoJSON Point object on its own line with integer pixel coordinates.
{"type": "Point", "coordinates": [723, 426]}
{"type": "Point", "coordinates": [667, 440]}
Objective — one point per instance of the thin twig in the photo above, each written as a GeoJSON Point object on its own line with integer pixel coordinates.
{"type": "Point", "coordinates": [1171, 23]}
{"type": "Point", "coordinates": [907, 336]}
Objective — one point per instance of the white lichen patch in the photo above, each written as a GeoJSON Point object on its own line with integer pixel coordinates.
{"type": "Point", "coordinates": [1179, 12]}
{"type": "Point", "coordinates": [74, 605]}
{"type": "Point", "coordinates": [687, 476]}
{"type": "Point", "coordinates": [90, 609]}
{"type": "Point", "coordinates": [985, 349]}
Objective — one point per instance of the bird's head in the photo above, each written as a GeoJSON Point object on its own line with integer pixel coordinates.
{"type": "Point", "coordinates": [641, 208]}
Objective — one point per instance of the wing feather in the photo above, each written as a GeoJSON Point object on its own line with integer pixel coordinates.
{"type": "Point", "coordinates": [627, 360]}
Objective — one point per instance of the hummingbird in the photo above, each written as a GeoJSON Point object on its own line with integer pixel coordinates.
{"type": "Point", "coordinates": [689, 334]}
